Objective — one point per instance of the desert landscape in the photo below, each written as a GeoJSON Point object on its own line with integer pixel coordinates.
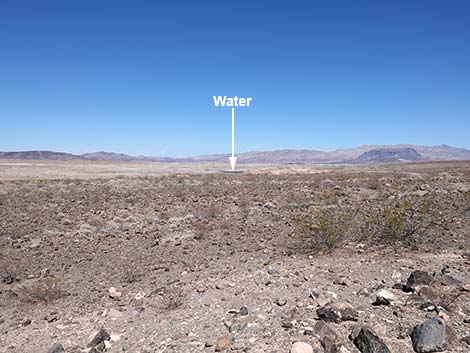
{"type": "Point", "coordinates": [102, 256]}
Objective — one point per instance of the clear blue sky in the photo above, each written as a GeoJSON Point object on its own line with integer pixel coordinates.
{"type": "Point", "coordinates": [138, 76]}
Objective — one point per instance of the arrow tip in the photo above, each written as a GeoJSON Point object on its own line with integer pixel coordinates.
{"type": "Point", "coordinates": [233, 161]}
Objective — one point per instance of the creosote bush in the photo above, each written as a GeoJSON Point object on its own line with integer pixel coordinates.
{"type": "Point", "coordinates": [388, 220]}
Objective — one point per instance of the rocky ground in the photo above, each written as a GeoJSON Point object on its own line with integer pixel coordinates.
{"type": "Point", "coordinates": [339, 261]}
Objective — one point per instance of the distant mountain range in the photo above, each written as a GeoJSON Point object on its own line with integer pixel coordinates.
{"type": "Point", "coordinates": [366, 154]}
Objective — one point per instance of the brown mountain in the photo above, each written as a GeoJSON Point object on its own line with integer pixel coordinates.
{"type": "Point", "coordinates": [362, 154]}
{"type": "Point", "coordinates": [40, 155]}
{"type": "Point", "coordinates": [388, 155]}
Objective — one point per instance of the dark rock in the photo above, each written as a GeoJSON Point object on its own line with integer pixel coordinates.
{"type": "Point", "coordinates": [56, 348]}
{"type": "Point", "coordinates": [466, 340]}
{"type": "Point", "coordinates": [99, 338]}
{"type": "Point", "coordinates": [403, 287]}
{"type": "Point", "coordinates": [429, 336]}
{"type": "Point", "coordinates": [313, 295]}
{"type": "Point", "coordinates": [281, 302]}
{"type": "Point", "coordinates": [419, 278]}
{"type": "Point", "coordinates": [446, 280]}
{"type": "Point", "coordinates": [243, 311]}
{"type": "Point", "coordinates": [337, 312]}
{"type": "Point", "coordinates": [428, 306]}
{"type": "Point", "coordinates": [25, 322]}
{"type": "Point", "coordinates": [422, 278]}
{"type": "Point", "coordinates": [51, 317]}
{"type": "Point", "coordinates": [8, 278]}
{"type": "Point", "coordinates": [288, 324]}
{"type": "Point", "coordinates": [368, 342]}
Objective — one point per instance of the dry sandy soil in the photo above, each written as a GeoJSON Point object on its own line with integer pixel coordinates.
{"type": "Point", "coordinates": [183, 258]}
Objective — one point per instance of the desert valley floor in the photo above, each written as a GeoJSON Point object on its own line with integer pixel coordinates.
{"type": "Point", "coordinates": [154, 257]}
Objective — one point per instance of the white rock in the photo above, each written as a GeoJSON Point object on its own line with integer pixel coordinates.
{"type": "Point", "coordinates": [139, 296]}
{"type": "Point", "coordinates": [35, 243]}
{"type": "Point", "coordinates": [301, 347]}
{"type": "Point", "coordinates": [115, 338]}
{"type": "Point", "coordinates": [114, 314]}
{"type": "Point", "coordinates": [385, 297]}
{"type": "Point", "coordinates": [114, 293]}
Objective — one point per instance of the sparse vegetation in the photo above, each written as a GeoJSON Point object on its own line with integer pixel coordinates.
{"type": "Point", "coordinates": [40, 290]}
{"type": "Point", "coordinates": [173, 297]}
{"type": "Point", "coordinates": [189, 249]}
{"type": "Point", "coordinates": [397, 217]}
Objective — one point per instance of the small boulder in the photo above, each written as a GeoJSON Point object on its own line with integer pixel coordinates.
{"type": "Point", "coordinates": [419, 278]}
{"type": "Point", "coordinates": [301, 347]}
{"type": "Point", "coordinates": [114, 294]}
{"type": "Point", "coordinates": [368, 342]}
{"type": "Point", "coordinates": [7, 278]}
{"type": "Point", "coordinates": [429, 336]}
{"type": "Point", "coordinates": [384, 297]}
{"type": "Point", "coordinates": [99, 339]}
{"type": "Point", "coordinates": [337, 312]}
{"type": "Point", "coordinates": [222, 344]}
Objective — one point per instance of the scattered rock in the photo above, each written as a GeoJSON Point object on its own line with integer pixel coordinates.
{"type": "Point", "coordinates": [301, 347]}
{"type": "Point", "coordinates": [429, 336]}
{"type": "Point", "coordinates": [281, 302]}
{"type": "Point", "coordinates": [403, 287]}
{"type": "Point", "coordinates": [99, 338]}
{"type": "Point", "coordinates": [243, 311]}
{"type": "Point", "coordinates": [414, 300]}
{"type": "Point", "coordinates": [368, 342]}
{"type": "Point", "coordinates": [340, 282]}
{"type": "Point", "coordinates": [56, 348]}
{"type": "Point", "coordinates": [419, 278]}
{"type": "Point", "coordinates": [8, 278]}
{"type": "Point", "coordinates": [337, 312]}
{"type": "Point", "coordinates": [272, 270]}
{"type": "Point", "coordinates": [25, 322]}
{"type": "Point", "coordinates": [222, 344]}
{"type": "Point", "coordinates": [384, 297]}
{"type": "Point", "coordinates": [35, 243]}
{"type": "Point", "coordinates": [51, 317]}
{"type": "Point", "coordinates": [237, 327]}
{"type": "Point", "coordinates": [114, 294]}
{"type": "Point", "coordinates": [288, 323]}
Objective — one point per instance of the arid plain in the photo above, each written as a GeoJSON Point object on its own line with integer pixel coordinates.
{"type": "Point", "coordinates": [167, 257]}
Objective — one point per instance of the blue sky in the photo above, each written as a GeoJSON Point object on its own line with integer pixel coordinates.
{"type": "Point", "coordinates": [138, 76]}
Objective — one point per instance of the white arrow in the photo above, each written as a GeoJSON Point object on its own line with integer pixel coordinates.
{"type": "Point", "coordinates": [233, 159]}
